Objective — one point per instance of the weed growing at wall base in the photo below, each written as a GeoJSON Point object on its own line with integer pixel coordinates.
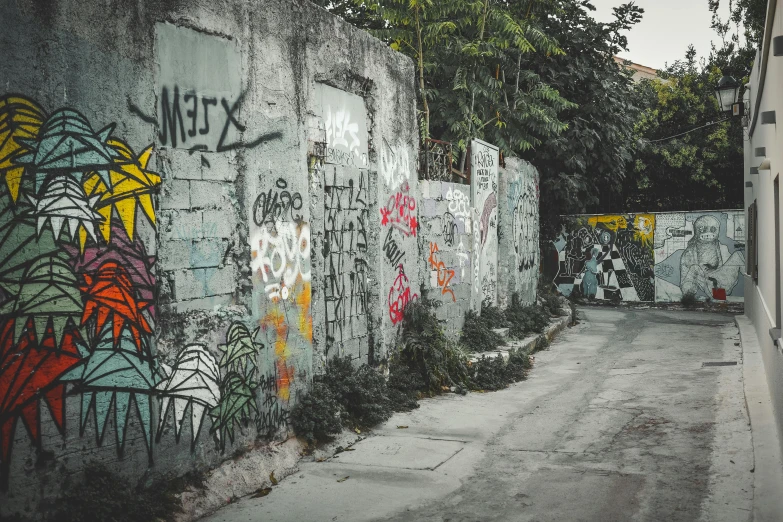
{"type": "Point", "coordinates": [689, 300]}
{"type": "Point", "coordinates": [426, 362]}
{"type": "Point", "coordinates": [361, 392]}
{"type": "Point", "coordinates": [521, 320]}
{"type": "Point", "coordinates": [552, 304]}
{"type": "Point", "coordinates": [493, 373]}
{"type": "Point", "coordinates": [103, 495]}
{"type": "Point", "coordinates": [426, 351]}
{"type": "Point", "coordinates": [477, 334]}
{"type": "Point", "coordinates": [316, 416]}
{"type": "Point", "coordinates": [356, 397]}
{"type": "Point", "coordinates": [524, 320]}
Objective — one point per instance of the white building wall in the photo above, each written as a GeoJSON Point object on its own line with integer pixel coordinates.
{"type": "Point", "coordinates": [760, 296]}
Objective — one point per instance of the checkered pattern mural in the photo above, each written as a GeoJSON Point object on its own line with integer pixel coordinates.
{"type": "Point", "coordinates": [607, 258]}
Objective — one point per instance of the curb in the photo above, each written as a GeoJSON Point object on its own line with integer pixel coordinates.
{"type": "Point", "coordinates": [768, 464]}
{"type": "Point", "coordinates": [237, 478]}
{"type": "Point", "coordinates": [531, 343]}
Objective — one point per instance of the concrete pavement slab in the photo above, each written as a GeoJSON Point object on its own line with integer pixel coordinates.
{"type": "Point", "coordinates": [619, 420]}
{"type": "Point", "coordinates": [402, 452]}
{"type": "Point", "coordinates": [768, 473]}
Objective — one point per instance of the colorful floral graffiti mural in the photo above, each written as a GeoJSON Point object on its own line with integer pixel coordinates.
{"type": "Point", "coordinates": [78, 291]}
{"type": "Point", "coordinates": [78, 294]}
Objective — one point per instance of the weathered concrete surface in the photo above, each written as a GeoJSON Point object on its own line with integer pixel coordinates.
{"type": "Point", "coordinates": [447, 243]}
{"type": "Point", "coordinates": [531, 343]}
{"type": "Point", "coordinates": [229, 96]}
{"type": "Point", "coordinates": [618, 421]}
{"type": "Point", "coordinates": [518, 248]}
{"type": "Point", "coordinates": [768, 475]}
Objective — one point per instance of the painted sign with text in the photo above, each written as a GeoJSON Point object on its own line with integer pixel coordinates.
{"type": "Point", "coordinates": [484, 159]}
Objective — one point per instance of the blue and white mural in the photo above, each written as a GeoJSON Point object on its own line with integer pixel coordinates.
{"type": "Point", "coordinates": [699, 252]}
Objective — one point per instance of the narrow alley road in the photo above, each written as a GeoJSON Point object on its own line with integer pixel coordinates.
{"type": "Point", "coordinates": [621, 419]}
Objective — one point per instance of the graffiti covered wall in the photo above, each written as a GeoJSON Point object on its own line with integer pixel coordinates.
{"type": "Point", "coordinates": [651, 257]}
{"type": "Point", "coordinates": [518, 249]}
{"type": "Point", "coordinates": [484, 162]}
{"type": "Point", "coordinates": [447, 233]}
{"type": "Point", "coordinates": [700, 252]}
{"type": "Point", "coordinates": [162, 272]}
{"type": "Point", "coordinates": [197, 213]}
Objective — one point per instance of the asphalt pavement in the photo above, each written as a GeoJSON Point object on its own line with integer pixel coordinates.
{"type": "Point", "coordinates": [633, 414]}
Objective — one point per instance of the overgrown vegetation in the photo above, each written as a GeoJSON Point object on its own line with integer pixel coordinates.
{"type": "Point", "coordinates": [521, 320]}
{"type": "Point", "coordinates": [477, 334]}
{"type": "Point", "coordinates": [404, 386]}
{"type": "Point", "coordinates": [346, 395]}
{"type": "Point", "coordinates": [524, 320]}
{"type": "Point", "coordinates": [553, 304]}
{"type": "Point", "coordinates": [425, 363]}
{"type": "Point", "coordinates": [360, 391]}
{"type": "Point", "coordinates": [494, 373]}
{"type": "Point", "coordinates": [426, 352]}
{"type": "Point", "coordinates": [101, 494]}
{"type": "Point", "coordinates": [317, 415]}
{"type": "Point", "coordinates": [489, 373]}
{"type": "Point", "coordinates": [689, 300]}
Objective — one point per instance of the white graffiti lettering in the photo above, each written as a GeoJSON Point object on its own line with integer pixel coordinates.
{"type": "Point", "coordinates": [282, 254]}
{"type": "Point", "coordinates": [338, 124]}
{"type": "Point", "coordinates": [396, 168]}
{"type": "Point", "coordinates": [459, 203]}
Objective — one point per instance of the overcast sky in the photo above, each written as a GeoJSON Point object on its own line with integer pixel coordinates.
{"type": "Point", "coordinates": [666, 30]}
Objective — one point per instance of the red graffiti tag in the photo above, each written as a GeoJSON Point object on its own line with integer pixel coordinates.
{"type": "Point", "coordinates": [399, 296]}
{"type": "Point", "coordinates": [400, 212]}
{"type": "Point", "coordinates": [444, 275]}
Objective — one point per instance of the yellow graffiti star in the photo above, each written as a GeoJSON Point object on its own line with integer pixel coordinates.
{"type": "Point", "coordinates": [132, 186]}
{"type": "Point", "coordinates": [19, 118]}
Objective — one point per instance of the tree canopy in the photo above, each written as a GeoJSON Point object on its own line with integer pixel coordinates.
{"type": "Point", "coordinates": [688, 155]}
{"type": "Point", "coordinates": [538, 79]}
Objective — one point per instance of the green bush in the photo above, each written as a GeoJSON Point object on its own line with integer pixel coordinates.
{"type": "Point", "coordinates": [404, 386]}
{"type": "Point", "coordinates": [427, 352]}
{"type": "Point", "coordinates": [493, 316]}
{"type": "Point", "coordinates": [518, 365]}
{"type": "Point", "coordinates": [489, 373]}
{"type": "Point", "coordinates": [689, 300]}
{"type": "Point", "coordinates": [361, 392]}
{"type": "Point", "coordinates": [493, 373]}
{"type": "Point", "coordinates": [316, 416]}
{"type": "Point", "coordinates": [525, 319]}
{"type": "Point", "coordinates": [552, 304]}
{"type": "Point", "coordinates": [477, 334]}
{"type": "Point", "coordinates": [103, 495]}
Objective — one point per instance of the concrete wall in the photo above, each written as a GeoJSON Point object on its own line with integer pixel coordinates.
{"type": "Point", "coordinates": [451, 227]}
{"type": "Point", "coordinates": [761, 303]}
{"type": "Point", "coordinates": [518, 249]}
{"type": "Point", "coordinates": [484, 164]}
{"type": "Point", "coordinates": [200, 203]}
{"type": "Point", "coordinates": [651, 257]}
{"type": "Point", "coordinates": [190, 225]}
{"type": "Point", "coordinates": [448, 239]}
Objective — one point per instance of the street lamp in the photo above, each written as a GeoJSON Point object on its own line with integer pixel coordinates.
{"type": "Point", "coordinates": [727, 93]}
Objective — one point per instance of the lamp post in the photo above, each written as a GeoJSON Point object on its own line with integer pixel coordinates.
{"type": "Point", "coordinates": [727, 92]}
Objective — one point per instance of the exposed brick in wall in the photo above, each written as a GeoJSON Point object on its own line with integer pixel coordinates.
{"type": "Point", "coordinates": [259, 171]}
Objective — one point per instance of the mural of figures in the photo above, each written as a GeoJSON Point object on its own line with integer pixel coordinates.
{"type": "Point", "coordinates": [702, 253]}
{"type": "Point", "coordinates": [652, 257]}
{"type": "Point", "coordinates": [607, 258]}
